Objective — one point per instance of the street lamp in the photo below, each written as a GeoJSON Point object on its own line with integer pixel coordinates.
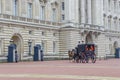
{"type": "Point", "coordinates": [29, 44]}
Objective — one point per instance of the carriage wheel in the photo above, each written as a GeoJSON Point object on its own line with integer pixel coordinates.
{"type": "Point", "coordinates": [93, 58]}
{"type": "Point", "coordinates": [83, 58]}
{"type": "Point", "coordinates": [87, 59]}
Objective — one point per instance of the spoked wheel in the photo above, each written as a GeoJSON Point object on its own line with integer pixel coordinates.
{"type": "Point", "coordinates": [87, 59]}
{"type": "Point", "coordinates": [83, 58]}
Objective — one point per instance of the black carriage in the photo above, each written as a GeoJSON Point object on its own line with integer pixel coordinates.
{"type": "Point", "coordinates": [85, 52]}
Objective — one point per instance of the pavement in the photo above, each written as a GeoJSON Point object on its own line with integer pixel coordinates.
{"type": "Point", "coordinates": [61, 70]}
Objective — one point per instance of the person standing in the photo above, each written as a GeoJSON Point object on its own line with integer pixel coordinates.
{"type": "Point", "coordinates": [16, 57]}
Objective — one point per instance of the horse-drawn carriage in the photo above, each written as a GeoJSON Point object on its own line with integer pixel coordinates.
{"type": "Point", "coordinates": [83, 53]}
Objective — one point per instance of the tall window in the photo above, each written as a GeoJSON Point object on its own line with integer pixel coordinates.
{"type": "Point", "coordinates": [15, 7]}
{"type": "Point", "coordinates": [53, 14]}
{"type": "Point", "coordinates": [0, 47]}
{"type": "Point", "coordinates": [43, 46]}
{"type": "Point", "coordinates": [63, 6]}
{"type": "Point", "coordinates": [115, 24]}
{"type": "Point", "coordinates": [115, 6]}
{"type": "Point", "coordinates": [104, 5]}
{"type": "Point", "coordinates": [0, 6]}
{"type": "Point", "coordinates": [29, 10]}
{"type": "Point", "coordinates": [63, 17]}
{"type": "Point", "coordinates": [109, 5]}
{"type": "Point", "coordinates": [119, 25]}
{"type": "Point", "coordinates": [119, 7]}
{"type": "Point", "coordinates": [54, 47]}
{"type": "Point", "coordinates": [42, 12]}
{"type": "Point", "coordinates": [109, 23]}
{"type": "Point", "coordinates": [104, 22]}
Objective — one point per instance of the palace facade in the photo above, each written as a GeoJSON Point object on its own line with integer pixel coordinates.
{"type": "Point", "coordinates": [58, 25]}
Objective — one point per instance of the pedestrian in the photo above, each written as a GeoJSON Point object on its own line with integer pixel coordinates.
{"type": "Point", "coordinates": [16, 57]}
{"type": "Point", "coordinates": [42, 55]}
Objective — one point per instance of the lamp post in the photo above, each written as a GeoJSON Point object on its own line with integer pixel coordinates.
{"type": "Point", "coordinates": [29, 44]}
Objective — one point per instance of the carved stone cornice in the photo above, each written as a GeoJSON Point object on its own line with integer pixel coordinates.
{"type": "Point", "coordinates": [30, 1]}
{"type": "Point", "coordinates": [54, 4]}
{"type": "Point", "coordinates": [43, 1]}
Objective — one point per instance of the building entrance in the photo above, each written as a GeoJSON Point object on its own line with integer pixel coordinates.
{"type": "Point", "coordinates": [89, 38]}
{"type": "Point", "coordinates": [17, 39]}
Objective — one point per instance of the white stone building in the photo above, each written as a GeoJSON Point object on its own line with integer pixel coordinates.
{"type": "Point", "coordinates": [58, 25]}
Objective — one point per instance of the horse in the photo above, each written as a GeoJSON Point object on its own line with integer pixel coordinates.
{"type": "Point", "coordinates": [71, 55]}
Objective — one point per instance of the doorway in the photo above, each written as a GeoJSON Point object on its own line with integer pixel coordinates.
{"type": "Point", "coordinates": [17, 39]}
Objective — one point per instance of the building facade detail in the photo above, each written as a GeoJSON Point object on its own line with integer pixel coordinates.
{"type": "Point", "coordinates": [58, 25]}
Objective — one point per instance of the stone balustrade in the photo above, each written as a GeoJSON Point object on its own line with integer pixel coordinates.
{"type": "Point", "coordinates": [30, 20]}
{"type": "Point", "coordinates": [85, 26]}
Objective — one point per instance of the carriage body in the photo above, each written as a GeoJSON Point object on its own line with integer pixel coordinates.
{"type": "Point", "coordinates": [85, 47]}
{"type": "Point", "coordinates": [86, 51]}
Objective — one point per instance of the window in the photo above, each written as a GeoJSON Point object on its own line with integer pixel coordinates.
{"type": "Point", "coordinates": [104, 22]}
{"type": "Point", "coordinates": [109, 5]}
{"type": "Point", "coordinates": [43, 33]}
{"type": "Point", "coordinates": [109, 23]}
{"type": "Point", "coordinates": [53, 14]}
{"type": "Point", "coordinates": [43, 46]}
{"type": "Point", "coordinates": [119, 26]}
{"type": "Point", "coordinates": [119, 7]}
{"type": "Point", "coordinates": [63, 17]}
{"type": "Point", "coordinates": [31, 32]}
{"type": "Point", "coordinates": [115, 6]}
{"type": "Point", "coordinates": [29, 10]}
{"type": "Point", "coordinates": [42, 12]}
{"type": "Point", "coordinates": [0, 47]}
{"type": "Point", "coordinates": [63, 6]}
{"type": "Point", "coordinates": [115, 24]}
{"type": "Point", "coordinates": [0, 6]}
{"type": "Point", "coordinates": [103, 4]}
{"type": "Point", "coordinates": [54, 47]}
{"type": "Point", "coordinates": [54, 34]}
{"type": "Point", "coordinates": [15, 7]}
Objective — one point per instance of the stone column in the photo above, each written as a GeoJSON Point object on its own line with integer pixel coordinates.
{"type": "Point", "coordinates": [33, 9]}
{"type": "Point", "coordinates": [98, 12]}
{"type": "Point", "coordinates": [82, 11]}
{"type": "Point", "coordinates": [19, 7]}
{"type": "Point", "coordinates": [89, 11]}
{"type": "Point", "coordinates": [112, 7]}
{"type": "Point", "coordinates": [0, 6]}
{"type": "Point", "coordinates": [70, 10]}
{"type": "Point", "coordinates": [3, 6]}
{"type": "Point", "coordinates": [24, 8]}
{"type": "Point", "coordinates": [8, 6]}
